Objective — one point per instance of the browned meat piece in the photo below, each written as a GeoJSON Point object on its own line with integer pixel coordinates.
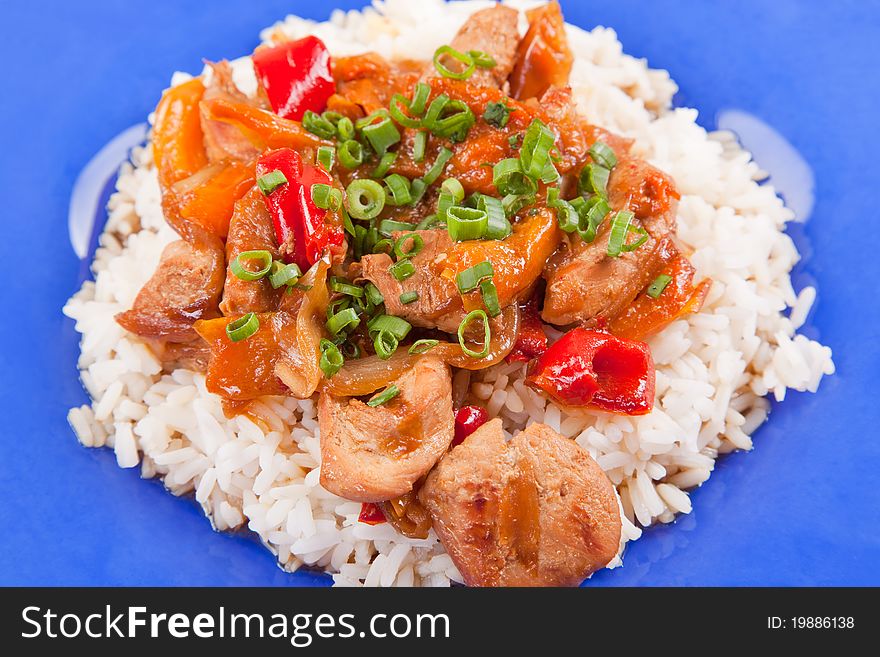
{"type": "Point", "coordinates": [375, 454]}
{"type": "Point", "coordinates": [439, 303]}
{"type": "Point", "coordinates": [187, 355]}
{"type": "Point", "coordinates": [249, 230]}
{"type": "Point", "coordinates": [185, 288]}
{"type": "Point", "coordinates": [493, 31]}
{"type": "Point", "coordinates": [537, 511]}
{"type": "Point", "coordinates": [222, 140]}
{"type": "Point", "coordinates": [584, 284]}
{"type": "Point", "coordinates": [543, 58]}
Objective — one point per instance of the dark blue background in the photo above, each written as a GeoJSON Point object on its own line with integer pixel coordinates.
{"type": "Point", "coordinates": [802, 508]}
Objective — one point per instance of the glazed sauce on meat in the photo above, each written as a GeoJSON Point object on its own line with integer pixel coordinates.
{"type": "Point", "coordinates": [518, 518]}
{"type": "Point", "coordinates": [405, 436]}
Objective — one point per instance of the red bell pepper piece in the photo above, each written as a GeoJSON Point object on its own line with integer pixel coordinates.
{"type": "Point", "coordinates": [300, 228]}
{"type": "Point", "coordinates": [597, 370]}
{"type": "Point", "coordinates": [371, 514]}
{"type": "Point", "coordinates": [531, 341]}
{"type": "Point", "coordinates": [296, 76]}
{"type": "Point", "coordinates": [467, 420]}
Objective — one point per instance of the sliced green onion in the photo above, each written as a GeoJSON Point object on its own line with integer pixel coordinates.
{"type": "Point", "coordinates": [397, 100]}
{"type": "Point", "coordinates": [620, 228]}
{"type": "Point", "coordinates": [603, 155]}
{"type": "Point", "coordinates": [497, 227]}
{"type": "Point", "coordinates": [243, 327]}
{"type": "Point", "coordinates": [594, 179]}
{"type": "Point", "coordinates": [482, 59]}
{"type": "Point", "coordinates": [351, 154]}
{"type": "Point", "coordinates": [535, 152]}
{"type": "Point", "coordinates": [385, 344]}
{"type": "Point", "coordinates": [337, 305]}
{"type": "Point", "coordinates": [409, 297]}
{"type": "Point", "coordinates": [490, 298]}
{"type": "Point", "coordinates": [331, 358]}
{"type": "Point", "coordinates": [385, 396]}
{"type": "Point", "coordinates": [381, 135]}
{"type": "Point", "coordinates": [380, 113]}
{"type": "Point", "coordinates": [345, 128]}
{"type": "Point", "coordinates": [655, 289]}
{"type": "Point", "coordinates": [417, 190]}
{"type": "Point", "coordinates": [399, 189]}
{"type": "Point", "coordinates": [463, 58]}
{"type": "Point", "coordinates": [417, 244]}
{"type": "Point", "coordinates": [326, 156]}
{"type": "Point", "coordinates": [419, 145]}
{"type": "Point", "coordinates": [487, 333]}
{"type": "Point", "coordinates": [333, 117]}
{"type": "Point", "coordinates": [513, 203]}
{"type": "Point", "coordinates": [346, 222]}
{"type": "Point", "coordinates": [385, 163]}
{"type": "Point", "coordinates": [469, 279]}
{"type": "Point", "coordinates": [264, 258]}
{"type": "Point", "coordinates": [466, 223]}
{"type": "Point", "coordinates": [444, 202]}
{"type": "Point", "coordinates": [550, 174]}
{"type": "Point", "coordinates": [423, 346]}
{"type": "Point", "coordinates": [497, 114]}
{"type": "Point", "coordinates": [271, 181]}
{"type": "Point", "coordinates": [344, 287]}
{"type": "Point", "coordinates": [402, 269]}
{"type": "Point", "coordinates": [419, 99]}
{"type": "Point", "coordinates": [591, 214]}
{"type": "Point", "coordinates": [384, 246]}
{"type": "Point", "coordinates": [321, 195]}
{"type": "Point", "coordinates": [431, 221]}
{"type": "Point", "coordinates": [366, 198]}
{"type": "Point", "coordinates": [508, 178]}
{"type": "Point", "coordinates": [453, 187]}
{"type": "Point", "coordinates": [373, 294]}
{"type": "Point", "coordinates": [343, 320]}
{"type": "Point", "coordinates": [390, 324]}
{"type": "Point", "coordinates": [350, 350]}
{"type": "Point", "coordinates": [388, 226]}
{"type": "Point", "coordinates": [282, 274]}
{"type": "Point", "coordinates": [632, 246]}
{"type": "Point", "coordinates": [437, 168]}
{"type": "Point", "coordinates": [449, 118]}
{"type": "Point", "coordinates": [318, 125]}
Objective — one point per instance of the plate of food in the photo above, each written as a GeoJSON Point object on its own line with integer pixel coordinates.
{"type": "Point", "coordinates": [436, 293]}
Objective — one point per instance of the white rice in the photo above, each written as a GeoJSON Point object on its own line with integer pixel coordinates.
{"type": "Point", "coordinates": [714, 369]}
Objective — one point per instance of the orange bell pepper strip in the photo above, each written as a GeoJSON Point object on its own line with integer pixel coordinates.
{"type": "Point", "coordinates": [178, 149]}
{"type": "Point", "coordinates": [264, 129]}
{"type": "Point", "coordinates": [210, 204]}
{"type": "Point", "coordinates": [517, 260]}
{"type": "Point", "coordinates": [646, 316]}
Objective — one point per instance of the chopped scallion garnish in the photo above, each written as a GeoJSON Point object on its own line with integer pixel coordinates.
{"type": "Point", "coordinates": [509, 179]}
{"type": "Point", "coordinates": [482, 59]}
{"type": "Point", "coordinates": [381, 135]}
{"type": "Point", "coordinates": [388, 226]}
{"type": "Point", "coordinates": [490, 298]}
{"type": "Point", "coordinates": [262, 258]}
{"type": "Point", "coordinates": [331, 358]}
{"type": "Point", "coordinates": [621, 227]}
{"type": "Point", "coordinates": [344, 287]}
{"type": "Point", "coordinates": [466, 223]}
{"type": "Point", "coordinates": [402, 269]}
{"type": "Point", "coordinates": [326, 156]}
{"type": "Point", "coordinates": [535, 152]}
{"type": "Point", "coordinates": [243, 327]}
{"type": "Point", "coordinates": [366, 198]}
{"type": "Point", "coordinates": [437, 168]}
{"type": "Point", "coordinates": [416, 245]}
{"type": "Point", "coordinates": [497, 114]}
{"type": "Point", "coordinates": [395, 326]}
{"type": "Point", "coordinates": [422, 346]}
{"type": "Point", "coordinates": [385, 163]}
{"type": "Point", "coordinates": [271, 181]}
{"type": "Point", "coordinates": [594, 179]}
{"type": "Point", "coordinates": [462, 58]}
{"type": "Point", "coordinates": [344, 320]}
{"type": "Point", "coordinates": [655, 289]}
{"type": "Point", "coordinates": [373, 294]}
{"type": "Point", "coordinates": [385, 396]}
{"type": "Point", "coordinates": [318, 125]}
{"type": "Point", "coordinates": [399, 189]}
{"type": "Point", "coordinates": [351, 154]}
{"type": "Point", "coordinates": [419, 145]}
{"type": "Point", "coordinates": [409, 297]}
{"type": "Point", "coordinates": [487, 333]}
{"type": "Point", "coordinates": [282, 274]}
{"type": "Point", "coordinates": [603, 155]}
{"type": "Point", "coordinates": [469, 279]}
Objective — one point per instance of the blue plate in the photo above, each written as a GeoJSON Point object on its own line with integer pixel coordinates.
{"type": "Point", "coordinates": [802, 508]}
